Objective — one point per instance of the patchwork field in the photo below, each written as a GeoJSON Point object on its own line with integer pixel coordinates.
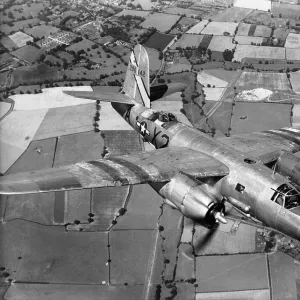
{"type": "Point", "coordinates": [131, 12]}
{"type": "Point", "coordinates": [270, 81]}
{"type": "Point", "coordinates": [293, 54]}
{"type": "Point", "coordinates": [41, 31]}
{"type": "Point", "coordinates": [264, 18]}
{"type": "Point", "coordinates": [162, 22]}
{"type": "Point", "coordinates": [154, 62]}
{"type": "Point", "coordinates": [204, 78]}
{"type": "Point", "coordinates": [198, 27]}
{"type": "Point", "coordinates": [177, 68]}
{"type": "Point", "coordinates": [221, 43]}
{"type": "Point", "coordinates": [146, 4]}
{"type": "Point", "coordinates": [213, 94]}
{"type": "Point", "coordinates": [20, 38]}
{"type": "Point", "coordinates": [262, 31]}
{"type": "Point", "coordinates": [259, 116]}
{"type": "Point", "coordinates": [295, 81]}
{"type": "Point", "coordinates": [248, 40]}
{"type": "Point", "coordinates": [28, 53]}
{"type": "Point", "coordinates": [232, 14]}
{"type": "Point", "coordinates": [188, 40]}
{"type": "Point", "coordinates": [243, 29]}
{"type": "Point", "coordinates": [8, 43]}
{"type": "Point", "coordinates": [159, 41]}
{"type": "Point", "coordinates": [281, 33]}
{"type": "Point", "coordinates": [286, 10]}
{"type": "Point", "coordinates": [219, 28]}
{"type": "Point", "coordinates": [35, 74]}
{"type": "Point", "coordinates": [19, 25]}
{"type": "Point", "coordinates": [264, 5]}
{"type": "Point", "coordinates": [184, 11]}
{"type": "Point", "coordinates": [292, 41]}
{"type": "Point", "coordinates": [243, 51]}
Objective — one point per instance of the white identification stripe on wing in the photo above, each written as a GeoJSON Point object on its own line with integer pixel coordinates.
{"type": "Point", "coordinates": [285, 133]}
{"type": "Point", "coordinates": [292, 129]}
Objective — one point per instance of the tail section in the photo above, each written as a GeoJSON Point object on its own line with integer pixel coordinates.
{"type": "Point", "coordinates": [137, 82]}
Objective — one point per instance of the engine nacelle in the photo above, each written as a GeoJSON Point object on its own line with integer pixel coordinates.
{"type": "Point", "coordinates": [289, 165]}
{"type": "Point", "coordinates": [192, 198]}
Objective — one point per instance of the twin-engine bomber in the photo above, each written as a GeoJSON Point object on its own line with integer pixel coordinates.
{"type": "Point", "coordinates": [257, 173]}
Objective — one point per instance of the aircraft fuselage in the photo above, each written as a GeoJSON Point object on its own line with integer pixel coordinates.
{"type": "Point", "coordinates": [249, 181]}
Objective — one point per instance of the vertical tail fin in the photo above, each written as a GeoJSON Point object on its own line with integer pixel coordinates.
{"type": "Point", "coordinates": [137, 82]}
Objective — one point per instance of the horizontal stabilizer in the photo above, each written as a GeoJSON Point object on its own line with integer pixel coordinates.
{"type": "Point", "coordinates": [103, 96]}
{"type": "Point", "coordinates": [136, 168]}
{"type": "Point", "coordinates": [163, 90]}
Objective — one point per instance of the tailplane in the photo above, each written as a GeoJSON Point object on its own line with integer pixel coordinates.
{"type": "Point", "coordinates": [137, 81]}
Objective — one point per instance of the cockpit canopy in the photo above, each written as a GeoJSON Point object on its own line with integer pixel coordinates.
{"type": "Point", "coordinates": [286, 196]}
{"type": "Point", "coordinates": [161, 116]}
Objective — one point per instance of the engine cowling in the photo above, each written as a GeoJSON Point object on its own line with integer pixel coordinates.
{"type": "Point", "coordinates": [193, 199]}
{"type": "Point", "coordinates": [289, 165]}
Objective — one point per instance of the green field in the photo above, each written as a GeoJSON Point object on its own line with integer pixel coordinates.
{"type": "Point", "coordinates": [159, 41]}
{"type": "Point", "coordinates": [232, 14]}
{"type": "Point", "coordinates": [41, 31]}
{"type": "Point", "coordinates": [289, 11]}
{"type": "Point", "coordinates": [162, 22]}
{"type": "Point", "coordinates": [28, 53]}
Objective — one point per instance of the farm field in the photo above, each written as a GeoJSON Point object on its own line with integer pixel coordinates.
{"type": "Point", "coordinates": [264, 18]}
{"type": "Point", "coordinates": [259, 116]}
{"type": "Point", "coordinates": [162, 22]}
{"type": "Point", "coordinates": [159, 41]}
{"type": "Point", "coordinates": [293, 54]}
{"type": "Point", "coordinates": [67, 120]}
{"type": "Point", "coordinates": [281, 33]}
{"type": "Point", "coordinates": [183, 11]}
{"type": "Point", "coordinates": [286, 10]}
{"type": "Point", "coordinates": [198, 27]}
{"type": "Point", "coordinates": [185, 23]}
{"type": "Point", "coordinates": [188, 40]}
{"type": "Point", "coordinates": [222, 74]}
{"type": "Point", "coordinates": [295, 81]}
{"type": "Point", "coordinates": [8, 43]}
{"type": "Point", "coordinates": [146, 4]}
{"type": "Point", "coordinates": [243, 29]}
{"type": "Point", "coordinates": [17, 130]}
{"type": "Point", "coordinates": [52, 59]}
{"type": "Point", "coordinates": [66, 56]}
{"type": "Point", "coordinates": [28, 53]}
{"type": "Point", "coordinates": [84, 44]}
{"type": "Point", "coordinates": [20, 38]}
{"type": "Point", "coordinates": [204, 78]}
{"type": "Point", "coordinates": [177, 68]}
{"type": "Point", "coordinates": [292, 41]}
{"type": "Point", "coordinates": [221, 43]}
{"type": "Point", "coordinates": [243, 51]}
{"type": "Point", "coordinates": [131, 12]}
{"type": "Point", "coordinates": [270, 81]}
{"type": "Point", "coordinates": [262, 31]}
{"type": "Point", "coordinates": [154, 62]}
{"type": "Point", "coordinates": [32, 9]}
{"type": "Point", "coordinates": [247, 40]}
{"type": "Point", "coordinates": [41, 31]}
{"type": "Point", "coordinates": [35, 74]}
{"type": "Point", "coordinates": [232, 14]}
{"type": "Point", "coordinates": [213, 94]}
{"type": "Point", "coordinates": [263, 294]}
{"type": "Point", "coordinates": [254, 4]}
{"type": "Point", "coordinates": [218, 28]}
{"type": "Point", "coordinates": [19, 25]}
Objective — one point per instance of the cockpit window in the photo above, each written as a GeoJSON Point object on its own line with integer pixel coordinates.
{"type": "Point", "coordinates": [286, 196]}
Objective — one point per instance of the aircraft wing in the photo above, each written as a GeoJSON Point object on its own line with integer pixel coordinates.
{"type": "Point", "coordinates": [267, 145]}
{"type": "Point", "coordinates": [141, 167]}
{"type": "Point", "coordinates": [103, 96]}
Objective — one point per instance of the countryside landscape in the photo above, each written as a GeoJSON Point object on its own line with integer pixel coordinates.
{"type": "Point", "coordinates": [240, 62]}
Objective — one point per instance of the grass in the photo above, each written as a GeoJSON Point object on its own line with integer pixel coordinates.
{"type": "Point", "coordinates": [295, 81]}
{"type": "Point", "coordinates": [131, 12]}
{"type": "Point", "coordinates": [221, 43]}
{"type": "Point", "coordinates": [28, 53]}
{"type": "Point", "coordinates": [20, 38]}
{"type": "Point", "coordinates": [270, 81]}
{"type": "Point", "coordinates": [162, 22]}
{"type": "Point", "coordinates": [188, 40]}
{"type": "Point", "coordinates": [8, 43]}
{"type": "Point", "coordinates": [232, 14]}
{"type": "Point", "coordinates": [262, 31]}
{"type": "Point", "coordinates": [292, 41]}
{"type": "Point", "coordinates": [260, 116]}
{"type": "Point", "coordinates": [159, 41]}
{"type": "Point", "coordinates": [243, 51]}
{"type": "Point", "coordinates": [18, 25]}
{"type": "Point", "coordinates": [218, 28]}
{"type": "Point", "coordinates": [198, 27]}
{"type": "Point", "coordinates": [264, 18]}
{"type": "Point", "coordinates": [41, 31]}
{"type": "Point", "coordinates": [247, 40]}
{"type": "Point", "coordinates": [286, 10]}
{"type": "Point", "coordinates": [293, 54]}
{"type": "Point", "coordinates": [35, 74]}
